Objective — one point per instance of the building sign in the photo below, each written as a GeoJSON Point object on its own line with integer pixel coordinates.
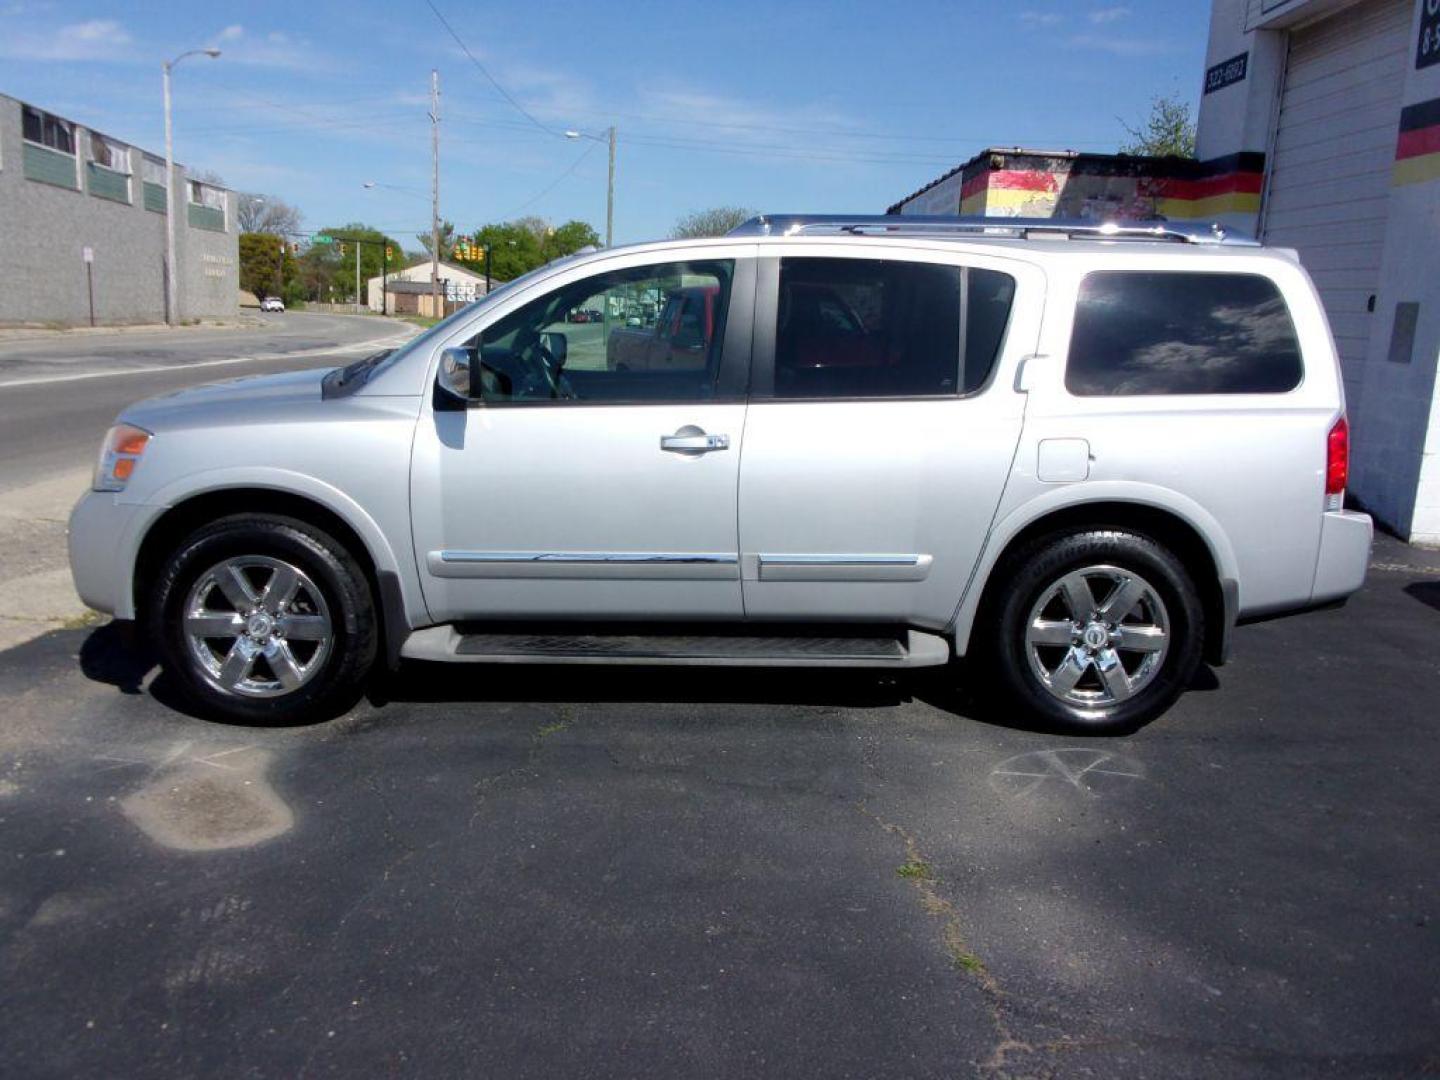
{"type": "Point", "coordinates": [459, 290]}
{"type": "Point", "coordinates": [1427, 49]}
{"type": "Point", "coordinates": [1229, 72]}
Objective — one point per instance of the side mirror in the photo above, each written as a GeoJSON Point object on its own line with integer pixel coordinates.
{"type": "Point", "coordinates": [557, 345]}
{"type": "Point", "coordinates": [455, 372]}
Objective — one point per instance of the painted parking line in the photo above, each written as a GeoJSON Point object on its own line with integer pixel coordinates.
{"type": "Point", "coordinates": [329, 350]}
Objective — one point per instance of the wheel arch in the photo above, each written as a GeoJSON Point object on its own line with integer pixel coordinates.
{"type": "Point", "coordinates": [1193, 535]}
{"type": "Point", "coordinates": [362, 540]}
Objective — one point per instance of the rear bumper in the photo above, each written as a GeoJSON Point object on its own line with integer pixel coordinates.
{"type": "Point", "coordinates": [1345, 538]}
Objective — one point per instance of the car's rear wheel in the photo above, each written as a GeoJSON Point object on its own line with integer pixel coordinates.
{"type": "Point", "coordinates": [1097, 631]}
{"type": "Point", "coordinates": [265, 619]}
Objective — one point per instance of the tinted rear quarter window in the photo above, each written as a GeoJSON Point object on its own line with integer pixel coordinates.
{"type": "Point", "coordinates": [866, 328]}
{"type": "Point", "coordinates": [1181, 333]}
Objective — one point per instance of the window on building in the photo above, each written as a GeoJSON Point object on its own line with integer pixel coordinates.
{"type": "Point", "coordinates": [1181, 333]}
{"type": "Point", "coordinates": [109, 155]}
{"type": "Point", "coordinates": [153, 171]}
{"type": "Point", "coordinates": [205, 195]}
{"type": "Point", "coordinates": [849, 328]}
{"type": "Point", "coordinates": [46, 130]}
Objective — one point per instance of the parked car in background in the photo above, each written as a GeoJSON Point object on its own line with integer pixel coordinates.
{"type": "Point", "coordinates": [272, 303]}
{"type": "Point", "coordinates": [1075, 455]}
{"type": "Point", "coordinates": [679, 339]}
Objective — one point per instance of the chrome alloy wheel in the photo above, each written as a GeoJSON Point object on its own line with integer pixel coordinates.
{"type": "Point", "coordinates": [257, 627]}
{"type": "Point", "coordinates": [1097, 636]}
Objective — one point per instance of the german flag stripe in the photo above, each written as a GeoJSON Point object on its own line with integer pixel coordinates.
{"type": "Point", "coordinates": [1417, 149]}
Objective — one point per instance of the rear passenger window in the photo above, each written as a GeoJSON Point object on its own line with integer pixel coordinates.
{"type": "Point", "coordinates": [861, 328]}
{"type": "Point", "coordinates": [1181, 333]}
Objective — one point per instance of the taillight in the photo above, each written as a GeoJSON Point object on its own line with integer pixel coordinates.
{"type": "Point", "coordinates": [1337, 464]}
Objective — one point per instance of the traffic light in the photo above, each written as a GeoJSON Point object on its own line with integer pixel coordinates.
{"type": "Point", "coordinates": [388, 251]}
{"type": "Point", "coordinates": [342, 249]}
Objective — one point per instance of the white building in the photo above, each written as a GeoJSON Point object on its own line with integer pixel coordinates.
{"type": "Point", "coordinates": [1342, 99]}
{"type": "Point", "coordinates": [458, 285]}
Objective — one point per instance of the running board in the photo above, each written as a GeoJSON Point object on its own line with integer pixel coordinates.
{"type": "Point", "coordinates": [901, 648]}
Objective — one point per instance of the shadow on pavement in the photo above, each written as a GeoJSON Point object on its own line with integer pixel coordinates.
{"type": "Point", "coordinates": [1427, 592]}
{"type": "Point", "coordinates": [118, 654]}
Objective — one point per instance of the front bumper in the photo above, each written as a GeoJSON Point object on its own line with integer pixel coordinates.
{"type": "Point", "coordinates": [1345, 538]}
{"type": "Point", "coordinates": [104, 538]}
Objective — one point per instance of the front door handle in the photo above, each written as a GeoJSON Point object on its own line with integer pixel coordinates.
{"type": "Point", "coordinates": [691, 440]}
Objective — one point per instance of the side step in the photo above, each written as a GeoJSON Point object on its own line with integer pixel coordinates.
{"type": "Point", "coordinates": [724, 648]}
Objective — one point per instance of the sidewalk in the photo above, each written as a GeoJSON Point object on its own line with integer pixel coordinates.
{"type": "Point", "coordinates": [243, 321]}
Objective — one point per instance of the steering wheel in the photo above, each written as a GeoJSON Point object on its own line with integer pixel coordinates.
{"type": "Point", "coordinates": [543, 370]}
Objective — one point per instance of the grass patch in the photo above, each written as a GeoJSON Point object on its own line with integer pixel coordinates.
{"type": "Point", "coordinates": [418, 320]}
{"type": "Point", "coordinates": [915, 870]}
{"type": "Point", "coordinates": [547, 730]}
{"type": "Point", "coordinates": [968, 961]}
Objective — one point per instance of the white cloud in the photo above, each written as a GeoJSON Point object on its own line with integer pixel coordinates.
{"type": "Point", "coordinates": [95, 39]}
{"type": "Point", "coordinates": [1108, 15]}
{"type": "Point", "coordinates": [1041, 18]}
{"type": "Point", "coordinates": [232, 33]}
{"type": "Point", "coordinates": [1118, 46]}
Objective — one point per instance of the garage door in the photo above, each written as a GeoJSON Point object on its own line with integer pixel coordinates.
{"type": "Point", "coordinates": [1334, 146]}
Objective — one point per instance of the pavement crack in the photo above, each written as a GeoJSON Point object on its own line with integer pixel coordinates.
{"type": "Point", "coordinates": [917, 870]}
{"type": "Point", "coordinates": [538, 738]}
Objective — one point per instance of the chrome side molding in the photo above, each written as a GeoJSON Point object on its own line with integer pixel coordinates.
{"type": "Point", "coordinates": [699, 565]}
{"type": "Point", "coordinates": [843, 567]}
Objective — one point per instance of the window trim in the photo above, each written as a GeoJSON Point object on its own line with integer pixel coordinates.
{"type": "Point", "coordinates": [1188, 396]}
{"type": "Point", "coordinates": [736, 351]}
{"type": "Point", "coordinates": [767, 318]}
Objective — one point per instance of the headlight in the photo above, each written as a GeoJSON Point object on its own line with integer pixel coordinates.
{"type": "Point", "coordinates": [124, 444]}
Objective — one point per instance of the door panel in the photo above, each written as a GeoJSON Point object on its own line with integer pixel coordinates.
{"type": "Point", "coordinates": [575, 490]}
{"type": "Point", "coordinates": [877, 508]}
{"type": "Point", "coordinates": [577, 512]}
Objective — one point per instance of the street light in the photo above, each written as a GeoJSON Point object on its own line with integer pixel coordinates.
{"type": "Point", "coordinates": [610, 184]}
{"type": "Point", "coordinates": [211, 52]}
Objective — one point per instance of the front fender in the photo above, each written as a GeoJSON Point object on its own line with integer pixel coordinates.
{"type": "Point", "coordinates": [383, 554]}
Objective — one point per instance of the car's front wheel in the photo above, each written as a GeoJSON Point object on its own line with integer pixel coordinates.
{"type": "Point", "coordinates": [265, 620]}
{"type": "Point", "coordinates": [1098, 631]}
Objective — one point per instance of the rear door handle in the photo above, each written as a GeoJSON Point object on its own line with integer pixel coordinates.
{"type": "Point", "coordinates": [688, 443]}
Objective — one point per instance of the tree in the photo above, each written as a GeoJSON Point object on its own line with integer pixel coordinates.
{"type": "Point", "coordinates": [517, 247]}
{"type": "Point", "coordinates": [716, 221]}
{"type": "Point", "coordinates": [330, 267]}
{"type": "Point", "coordinates": [266, 266]}
{"type": "Point", "coordinates": [1167, 132]}
{"type": "Point", "coordinates": [267, 214]}
{"type": "Point", "coordinates": [447, 241]}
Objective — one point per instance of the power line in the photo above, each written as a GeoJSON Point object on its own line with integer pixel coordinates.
{"type": "Point", "coordinates": [486, 72]}
{"type": "Point", "coordinates": [557, 182]}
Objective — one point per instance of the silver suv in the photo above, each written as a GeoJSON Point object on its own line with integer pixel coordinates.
{"type": "Point", "coordinates": [1074, 455]}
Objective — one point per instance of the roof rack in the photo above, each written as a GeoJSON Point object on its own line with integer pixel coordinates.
{"type": "Point", "coordinates": [1002, 228]}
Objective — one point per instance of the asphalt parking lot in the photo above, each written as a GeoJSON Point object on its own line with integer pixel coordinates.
{"type": "Point", "coordinates": [610, 872]}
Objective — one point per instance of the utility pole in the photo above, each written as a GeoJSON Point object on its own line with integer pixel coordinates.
{"type": "Point", "coordinates": [170, 315]}
{"type": "Point", "coordinates": [357, 276]}
{"type": "Point", "coordinates": [435, 193]}
{"type": "Point", "coordinates": [610, 195]}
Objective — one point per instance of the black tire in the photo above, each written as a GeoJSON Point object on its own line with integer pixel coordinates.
{"type": "Point", "coordinates": [1034, 576]}
{"type": "Point", "coordinates": [336, 675]}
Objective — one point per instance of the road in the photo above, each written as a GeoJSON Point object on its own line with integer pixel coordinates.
{"type": "Point", "coordinates": [60, 391]}
{"type": "Point", "coordinates": [656, 873]}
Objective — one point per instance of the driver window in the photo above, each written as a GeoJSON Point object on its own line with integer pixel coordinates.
{"type": "Point", "coordinates": [646, 334]}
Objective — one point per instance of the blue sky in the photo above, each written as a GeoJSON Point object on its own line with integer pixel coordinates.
{"type": "Point", "coordinates": [784, 106]}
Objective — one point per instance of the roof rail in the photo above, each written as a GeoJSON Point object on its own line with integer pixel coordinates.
{"type": "Point", "coordinates": [1002, 228]}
